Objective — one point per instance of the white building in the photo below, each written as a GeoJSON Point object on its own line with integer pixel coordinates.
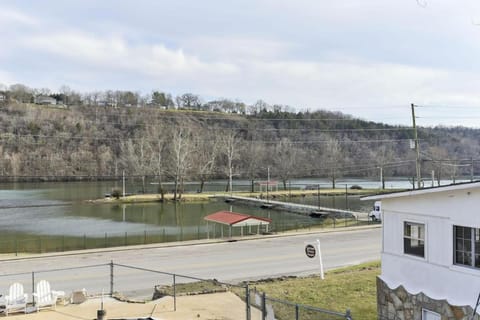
{"type": "Point", "coordinates": [430, 253]}
{"type": "Point", "coordinates": [45, 100]}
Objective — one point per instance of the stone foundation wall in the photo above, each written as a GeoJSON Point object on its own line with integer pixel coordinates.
{"type": "Point", "coordinates": [398, 304]}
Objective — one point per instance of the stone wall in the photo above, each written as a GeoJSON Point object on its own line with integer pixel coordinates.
{"type": "Point", "coordinates": [398, 304]}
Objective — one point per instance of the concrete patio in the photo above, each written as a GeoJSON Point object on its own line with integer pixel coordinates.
{"type": "Point", "coordinates": [225, 306]}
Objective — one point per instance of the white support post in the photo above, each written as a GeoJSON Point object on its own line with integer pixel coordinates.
{"type": "Point", "coordinates": [322, 275]}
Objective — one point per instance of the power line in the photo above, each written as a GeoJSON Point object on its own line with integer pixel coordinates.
{"type": "Point", "coordinates": [93, 139]}
{"type": "Point", "coordinates": [320, 172]}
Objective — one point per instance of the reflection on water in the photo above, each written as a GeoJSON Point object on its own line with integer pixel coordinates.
{"type": "Point", "coordinates": [58, 209]}
{"type": "Point", "coordinates": [40, 217]}
{"type": "Point", "coordinates": [96, 220]}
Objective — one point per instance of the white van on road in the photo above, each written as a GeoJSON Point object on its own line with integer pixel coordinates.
{"type": "Point", "coordinates": [376, 213]}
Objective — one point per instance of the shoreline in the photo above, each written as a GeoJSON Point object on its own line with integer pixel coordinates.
{"type": "Point", "coordinates": [207, 196]}
{"type": "Point", "coordinates": [289, 233]}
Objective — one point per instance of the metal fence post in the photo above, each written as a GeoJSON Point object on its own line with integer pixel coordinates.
{"type": "Point", "coordinates": [174, 294]}
{"type": "Point", "coordinates": [264, 306]}
{"type": "Point", "coordinates": [348, 315]}
{"type": "Point", "coordinates": [247, 301]}
{"type": "Point", "coordinates": [111, 278]}
{"type": "Point", "coordinates": [296, 312]}
{"type": "Point", "coordinates": [346, 196]}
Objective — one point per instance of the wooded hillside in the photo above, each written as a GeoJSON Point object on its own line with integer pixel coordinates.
{"type": "Point", "coordinates": [98, 142]}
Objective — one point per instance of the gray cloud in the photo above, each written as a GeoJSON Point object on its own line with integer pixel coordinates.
{"type": "Point", "coordinates": [366, 58]}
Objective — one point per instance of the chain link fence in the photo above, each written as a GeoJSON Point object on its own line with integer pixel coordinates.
{"type": "Point", "coordinates": [277, 309]}
{"type": "Point", "coordinates": [137, 284]}
{"type": "Point", "coordinates": [46, 244]}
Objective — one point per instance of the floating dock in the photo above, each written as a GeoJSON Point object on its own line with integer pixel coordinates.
{"type": "Point", "coordinates": [309, 210]}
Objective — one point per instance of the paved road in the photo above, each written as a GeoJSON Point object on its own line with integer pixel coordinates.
{"type": "Point", "coordinates": [227, 262]}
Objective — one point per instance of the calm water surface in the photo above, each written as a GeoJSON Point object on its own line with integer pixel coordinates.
{"type": "Point", "coordinates": [59, 209]}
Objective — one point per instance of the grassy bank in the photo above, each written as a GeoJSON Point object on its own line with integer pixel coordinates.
{"type": "Point", "coordinates": [351, 288]}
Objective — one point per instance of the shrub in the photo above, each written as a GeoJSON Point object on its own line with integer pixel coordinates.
{"type": "Point", "coordinates": [116, 193]}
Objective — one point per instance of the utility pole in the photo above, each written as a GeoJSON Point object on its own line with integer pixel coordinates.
{"type": "Point", "coordinates": [318, 196]}
{"type": "Point", "coordinates": [471, 170]}
{"type": "Point", "coordinates": [230, 183]}
{"type": "Point", "coordinates": [123, 183]}
{"type": "Point", "coordinates": [382, 180]}
{"type": "Point", "coordinates": [417, 149]}
{"type": "Point", "coordinates": [268, 182]}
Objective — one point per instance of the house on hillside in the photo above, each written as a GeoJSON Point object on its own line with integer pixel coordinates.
{"type": "Point", "coordinates": [105, 103]}
{"type": "Point", "coordinates": [430, 253]}
{"type": "Point", "coordinates": [45, 100]}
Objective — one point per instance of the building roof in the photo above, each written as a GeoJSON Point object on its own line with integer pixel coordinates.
{"type": "Point", "coordinates": [236, 219]}
{"type": "Point", "coordinates": [446, 188]}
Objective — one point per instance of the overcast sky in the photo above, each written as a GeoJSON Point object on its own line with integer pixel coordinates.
{"type": "Point", "coordinates": [367, 58]}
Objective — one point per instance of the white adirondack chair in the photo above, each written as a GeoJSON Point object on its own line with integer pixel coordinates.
{"type": "Point", "coordinates": [16, 301]}
{"type": "Point", "coordinates": [45, 297]}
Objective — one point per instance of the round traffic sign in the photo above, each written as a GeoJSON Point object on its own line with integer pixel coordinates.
{"type": "Point", "coordinates": [310, 251]}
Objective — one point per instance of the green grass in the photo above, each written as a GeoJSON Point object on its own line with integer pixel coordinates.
{"type": "Point", "coordinates": [351, 288]}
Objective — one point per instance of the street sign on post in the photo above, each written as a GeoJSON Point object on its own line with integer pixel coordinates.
{"type": "Point", "coordinates": [311, 251]}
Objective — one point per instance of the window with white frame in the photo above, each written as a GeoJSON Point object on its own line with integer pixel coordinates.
{"type": "Point", "coordinates": [466, 246]}
{"type": "Point", "coordinates": [414, 238]}
{"type": "Point", "coordinates": [430, 315]}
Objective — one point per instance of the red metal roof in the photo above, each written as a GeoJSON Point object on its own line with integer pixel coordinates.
{"type": "Point", "coordinates": [231, 218]}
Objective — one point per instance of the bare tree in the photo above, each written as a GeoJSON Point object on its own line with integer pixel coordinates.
{"type": "Point", "coordinates": [229, 150]}
{"type": "Point", "coordinates": [158, 145]}
{"type": "Point", "coordinates": [285, 160]}
{"type": "Point", "coordinates": [207, 148]}
{"type": "Point", "coordinates": [439, 162]}
{"type": "Point", "coordinates": [21, 93]}
{"type": "Point", "coordinates": [253, 155]}
{"type": "Point", "coordinates": [181, 162]}
{"type": "Point", "coordinates": [334, 158]}
{"type": "Point", "coordinates": [14, 163]}
{"type": "Point", "coordinates": [259, 106]}
{"type": "Point", "coordinates": [382, 157]}
{"type": "Point", "coordinates": [189, 101]}
{"type": "Point", "coordinates": [135, 158]}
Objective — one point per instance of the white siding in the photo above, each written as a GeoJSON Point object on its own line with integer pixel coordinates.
{"type": "Point", "coordinates": [435, 275]}
{"type": "Point", "coordinates": [457, 285]}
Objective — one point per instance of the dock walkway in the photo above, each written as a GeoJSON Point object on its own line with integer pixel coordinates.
{"type": "Point", "coordinates": [296, 207]}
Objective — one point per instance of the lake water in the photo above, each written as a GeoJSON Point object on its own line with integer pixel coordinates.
{"type": "Point", "coordinates": [57, 214]}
